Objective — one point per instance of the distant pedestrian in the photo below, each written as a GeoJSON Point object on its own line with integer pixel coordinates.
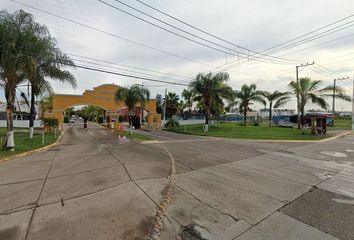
{"type": "Point", "coordinates": [85, 123]}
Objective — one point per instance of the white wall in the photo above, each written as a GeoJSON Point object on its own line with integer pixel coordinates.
{"type": "Point", "coordinates": [22, 123]}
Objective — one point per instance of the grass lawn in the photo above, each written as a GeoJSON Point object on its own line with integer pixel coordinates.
{"type": "Point", "coordinates": [234, 130]}
{"type": "Point", "coordinates": [137, 136]}
{"type": "Point", "coordinates": [341, 124]}
{"type": "Point", "coordinates": [22, 143]}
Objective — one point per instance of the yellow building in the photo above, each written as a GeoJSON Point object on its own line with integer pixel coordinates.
{"type": "Point", "coordinates": [103, 97]}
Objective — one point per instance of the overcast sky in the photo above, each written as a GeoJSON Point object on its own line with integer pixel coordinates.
{"type": "Point", "coordinates": [255, 25]}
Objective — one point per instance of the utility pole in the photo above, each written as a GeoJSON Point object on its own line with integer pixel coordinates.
{"type": "Point", "coordinates": [353, 106]}
{"type": "Point", "coordinates": [297, 93]}
{"type": "Point", "coordinates": [334, 96]}
{"type": "Point", "coordinates": [164, 109]}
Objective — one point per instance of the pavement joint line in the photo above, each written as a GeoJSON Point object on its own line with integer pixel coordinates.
{"type": "Point", "coordinates": [39, 196]}
{"type": "Point", "coordinates": [18, 208]}
{"type": "Point", "coordinates": [59, 158]}
{"type": "Point", "coordinates": [41, 149]}
{"type": "Point", "coordinates": [86, 171]}
{"type": "Point", "coordinates": [117, 159]}
{"type": "Point", "coordinates": [83, 195]}
{"type": "Point", "coordinates": [19, 182]}
{"type": "Point", "coordinates": [166, 155]}
{"type": "Point", "coordinates": [236, 219]}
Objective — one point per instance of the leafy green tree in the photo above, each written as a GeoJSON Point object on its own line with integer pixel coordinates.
{"type": "Point", "coordinates": [276, 99]}
{"type": "Point", "coordinates": [15, 30]}
{"type": "Point", "coordinates": [131, 96]}
{"type": "Point", "coordinates": [46, 104]}
{"type": "Point", "coordinates": [210, 90]}
{"type": "Point", "coordinates": [188, 100]}
{"type": "Point", "coordinates": [247, 96]}
{"type": "Point", "coordinates": [309, 90]}
{"type": "Point", "coordinates": [172, 104]}
{"type": "Point", "coordinates": [44, 60]}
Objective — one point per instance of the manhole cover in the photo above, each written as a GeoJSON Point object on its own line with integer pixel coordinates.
{"type": "Point", "coordinates": [193, 232]}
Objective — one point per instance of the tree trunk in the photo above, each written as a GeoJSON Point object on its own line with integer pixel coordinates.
{"type": "Point", "coordinates": [270, 114]}
{"type": "Point", "coordinates": [302, 117]}
{"type": "Point", "coordinates": [245, 116]}
{"type": "Point", "coordinates": [31, 121]}
{"type": "Point", "coordinates": [10, 100]}
{"type": "Point", "coordinates": [207, 110]}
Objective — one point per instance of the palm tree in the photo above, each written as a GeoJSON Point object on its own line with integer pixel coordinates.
{"type": "Point", "coordinates": [15, 30]}
{"type": "Point", "coordinates": [131, 96]}
{"type": "Point", "coordinates": [210, 90]}
{"type": "Point", "coordinates": [309, 90]}
{"type": "Point", "coordinates": [44, 60]}
{"type": "Point", "coordinates": [172, 104]}
{"type": "Point", "coordinates": [248, 95]}
{"type": "Point", "coordinates": [276, 99]}
{"type": "Point", "coordinates": [188, 100]}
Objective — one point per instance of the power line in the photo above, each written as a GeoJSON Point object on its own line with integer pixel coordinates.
{"type": "Point", "coordinates": [227, 51]}
{"type": "Point", "coordinates": [111, 34]}
{"type": "Point", "coordinates": [126, 70]}
{"type": "Point", "coordinates": [124, 65]}
{"type": "Point", "coordinates": [199, 29]}
{"type": "Point", "coordinates": [322, 34]}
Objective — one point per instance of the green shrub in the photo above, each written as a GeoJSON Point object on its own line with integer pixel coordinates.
{"type": "Point", "coordinates": [120, 118]}
{"type": "Point", "coordinates": [171, 123]}
{"type": "Point", "coordinates": [66, 120]}
{"type": "Point", "coordinates": [100, 119]}
{"type": "Point", "coordinates": [50, 123]}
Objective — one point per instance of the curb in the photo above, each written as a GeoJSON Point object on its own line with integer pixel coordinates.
{"type": "Point", "coordinates": [289, 141]}
{"type": "Point", "coordinates": [42, 149]}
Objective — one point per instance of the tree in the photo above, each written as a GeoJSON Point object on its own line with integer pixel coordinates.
{"type": "Point", "coordinates": [276, 99]}
{"type": "Point", "coordinates": [44, 60]}
{"type": "Point", "coordinates": [131, 96]}
{"type": "Point", "coordinates": [210, 90]}
{"type": "Point", "coordinates": [46, 104]}
{"type": "Point", "coordinates": [247, 96]}
{"type": "Point", "coordinates": [309, 90]}
{"type": "Point", "coordinates": [159, 109]}
{"type": "Point", "coordinates": [15, 30]}
{"type": "Point", "coordinates": [172, 104]}
{"type": "Point", "coordinates": [188, 100]}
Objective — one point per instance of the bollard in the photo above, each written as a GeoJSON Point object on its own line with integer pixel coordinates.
{"type": "Point", "coordinates": [43, 138]}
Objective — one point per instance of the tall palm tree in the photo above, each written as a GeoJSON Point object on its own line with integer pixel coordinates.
{"type": "Point", "coordinates": [210, 90]}
{"type": "Point", "coordinates": [44, 60]}
{"type": "Point", "coordinates": [276, 99]}
{"type": "Point", "coordinates": [188, 100]}
{"type": "Point", "coordinates": [15, 30]}
{"type": "Point", "coordinates": [247, 96]}
{"type": "Point", "coordinates": [131, 96]}
{"type": "Point", "coordinates": [172, 104]}
{"type": "Point", "coordinates": [309, 90]}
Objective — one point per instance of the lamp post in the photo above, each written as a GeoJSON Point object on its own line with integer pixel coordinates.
{"type": "Point", "coordinates": [297, 92]}
{"type": "Point", "coordinates": [334, 96]}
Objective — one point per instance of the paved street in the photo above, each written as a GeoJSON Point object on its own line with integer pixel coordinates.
{"type": "Point", "coordinates": [93, 186]}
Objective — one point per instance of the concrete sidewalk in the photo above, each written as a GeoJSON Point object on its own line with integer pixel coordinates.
{"type": "Point", "coordinates": [93, 186]}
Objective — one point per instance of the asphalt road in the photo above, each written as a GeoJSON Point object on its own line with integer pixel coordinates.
{"type": "Point", "coordinates": [93, 186]}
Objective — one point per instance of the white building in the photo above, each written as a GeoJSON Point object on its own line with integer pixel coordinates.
{"type": "Point", "coordinates": [264, 112]}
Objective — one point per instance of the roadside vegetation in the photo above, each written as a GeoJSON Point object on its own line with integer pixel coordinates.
{"type": "Point", "coordinates": [23, 144]}
{"type": "Point", "coordinates": [29, 55]}
{"type": "Point", "coordinates": [239, 131]}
